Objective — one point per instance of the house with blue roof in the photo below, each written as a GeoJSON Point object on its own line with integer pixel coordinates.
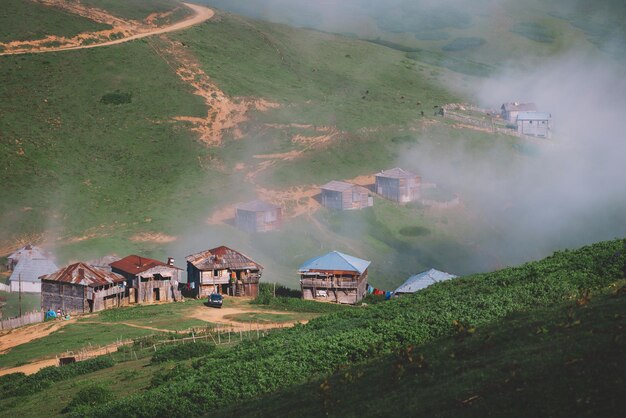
{"type": "Point", "coordinates": [334, 277]}
{"type": "Point", "coordinates": [28, 264]}
{"type": "Point", "coordinates": [422, 281]}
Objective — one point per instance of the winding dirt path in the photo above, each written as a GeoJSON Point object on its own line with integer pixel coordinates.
{"type": "Point", "coordinates": [22, 335]}
{"type": "Point", "coordinates": [201, 14]}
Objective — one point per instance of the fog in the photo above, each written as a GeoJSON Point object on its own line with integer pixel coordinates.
{"type": "Point", "coordinates": [557, 193]}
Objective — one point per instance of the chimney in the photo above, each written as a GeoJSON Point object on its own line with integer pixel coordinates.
{"type": "Point", "coordinates": [170, 261]}
{"type": "Point", "coordinates": [81, 274]}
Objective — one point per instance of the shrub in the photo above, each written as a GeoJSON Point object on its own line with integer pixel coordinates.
{"type": "Point", "coordinates": [116, 98]}
{"type": "Point", "coordinates": [182, 351]}
{"type": "Point", "coordinates": [17, 384]}
{"type": "Point", "coordinates": [92, 395]}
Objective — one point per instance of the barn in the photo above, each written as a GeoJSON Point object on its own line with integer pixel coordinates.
{"type": "Point", "coordinates": [422, 281]}
{"type": "Point", "coordinates": [398, 185]}
{"type": "Point", "coordinates": [510, 111]}
{"type": "Point", "coordinates": [225, 271]}
{"type": "Point", "coordinates": [27, 265]}
{"type": "Point", "coordinates": [81, 288]}
{"type": "Point", "coordinates": [345, 196]}
{"type": "Point", "coordinates": [534, 124]}
{"type": "Point", "coordinates": [258, 216]}
{"type": "Point", "coordinates": [334, 277]}
{"type": "Point", "coordinates": [149, 280]}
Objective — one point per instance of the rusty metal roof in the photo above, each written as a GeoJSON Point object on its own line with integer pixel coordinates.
{"type": "Point", "coordinates": [222, 258]}
{"type": "Point", "coordinates": [337, 186]}
{"type": "Point", "coordinates": [257, 206]}
{"type": "Point", "coordinates": [84, 275]}
{"type": "Point", "coordinates": [134, 264]}
{"type": "Point", "coordinates": [396, 173]}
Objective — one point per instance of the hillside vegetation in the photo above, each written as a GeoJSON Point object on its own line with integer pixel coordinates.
{"type": "Point", "coordinates": [493, 303]}
{"type": "Point", "coordinates": [22, 20]}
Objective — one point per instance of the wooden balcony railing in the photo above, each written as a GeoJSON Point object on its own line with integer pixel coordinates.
{"type": "Point", "coordinates": [329, 284]}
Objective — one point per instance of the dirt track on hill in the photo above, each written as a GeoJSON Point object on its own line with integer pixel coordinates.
{"type": "Point", "coordinates": [201, 14]}
{"type": "Point", "coordinates": [22, 335]}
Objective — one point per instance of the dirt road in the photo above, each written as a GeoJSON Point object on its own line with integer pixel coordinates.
{"type": "Point", "coordinates": [22, 335]}
{"type": "Point", "coordinates": [201, 14]}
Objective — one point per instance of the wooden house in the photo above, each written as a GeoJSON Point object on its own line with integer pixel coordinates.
{"type": "Point", "coordinates": [27, 264]}
{"type": "Point", "coordinates": [398, 185]}
{"type": "Point", "coordinates": [534, 124]}
{"type": "Point", "coordinates": [258, 216]}
{"type": "Point", "coordinates": [225, 271]}
{"type": "Point", "coordinates": [345, 196]}
{"type": "Point", "coordinates": [510, 111]}
{"type": "Point", "coordinates": [334, 277]}
{"type": "Point", "coordinates": [149, 280]}
{"type": "Point", "coordinates": [81, 288]}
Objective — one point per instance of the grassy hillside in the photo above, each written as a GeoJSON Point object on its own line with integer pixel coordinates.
{"type": "Point", "coordinates": [511, 302]}
{"type": "Point", "coordinates": [139, 9]}
{"type": "Point", "coordinates": [22, 20]}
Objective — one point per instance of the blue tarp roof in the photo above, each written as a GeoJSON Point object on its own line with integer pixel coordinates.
{"type": "Point", "coordinates": [534, 116]}
{"type": "Point", "coordinates": [335, 261]}
{"type": "Point", "coordinates": [423, 280]}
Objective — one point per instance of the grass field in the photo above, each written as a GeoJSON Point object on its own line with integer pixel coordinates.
{"type": "Point", "coordinates": [22, 20]}
{"type": "Point", "coordinates": [11, 303]}
{"type": "Point", "coordinates": [135, 9]}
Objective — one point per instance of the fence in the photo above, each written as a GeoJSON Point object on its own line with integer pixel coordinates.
{"type": "Point", "coordinates": [28, 318]}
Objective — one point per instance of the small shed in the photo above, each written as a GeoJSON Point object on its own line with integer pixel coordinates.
{"type": "Point", "coordinates": [510, 111]}
{"type": "Point", "coordinates": [225, 271]}
{"type": "Point", "coordinates": [398, 185]}
{"type": "Point", "coordinates": [27, 265]}
{"type": "Point", "coordinates": [258, 216]}
{"type": "Point", "coordinates": [345, 196]}
{"type": "Point", "coordinates": [422, 281]}
{"type": "Point", "coordinates": [149, 280]}
{"type": "Point", "coordinates": [534, 124]}
{"type": "Point", "coordinates": [334, 277]}
{"type": "Point", "coordinates": [81, 288]}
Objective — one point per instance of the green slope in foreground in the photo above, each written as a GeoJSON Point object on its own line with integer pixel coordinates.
{"type": "Point", "coordinates": [525, 321]}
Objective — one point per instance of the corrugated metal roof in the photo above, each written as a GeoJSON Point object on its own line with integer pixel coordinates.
{"type": "Point", "coordinates": [222, 258]}
{"type": "Point", "coordinates": [29, 270]}
{"type": "Point", "coordinates": [335, 261]}
{"type": "Point", "coordinates": [257, 206]}
{"type": "Point", "coordinates": [423, 280]}
{"type": "Point", "coordinates": [534, 116]}
{"type": "Point", "coordinates": [30, 252]}
{"type": "Point", "coordinates": [337, 186]}
{"type": "Point", "coordinates": [84, 275]}
{"type": "Point", "coordinates": [134, 264]}
{"type": "Point", "coordinates": [396, 173]}
{"type": "Point", "coordinates": [520, 107]}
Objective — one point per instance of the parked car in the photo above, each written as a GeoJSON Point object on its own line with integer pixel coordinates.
{"type": "Point", "coordinates": [215, 300]}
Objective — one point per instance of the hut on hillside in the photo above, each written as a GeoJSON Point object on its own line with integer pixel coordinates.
{"type": "Point", "coordinates": [27, 265]}
{"type": "Point", "coordinates": [398, 185]}
{"type": "Point", "coordinates": [149, 280]}
{"type": "Point", "coordinates": [334, 277]}
{"type": "Point", "coordinates": [81, 288]}
{"type": "Point", "coordinates": [510, 111]}
{"type": "Point", "coordinates": [258, 216]}
{"type": "Point", "coordinates": [225, 271]}
{"type": "Point", "coordinates": [345, 196]}
{"type": "Point", "coordinates": [534, 124]}
{"type": "Point", "coordinates": [422, 281]}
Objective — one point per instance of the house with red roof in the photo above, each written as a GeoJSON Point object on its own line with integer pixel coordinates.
{"type": "Point", "coordinates": [149, 280]}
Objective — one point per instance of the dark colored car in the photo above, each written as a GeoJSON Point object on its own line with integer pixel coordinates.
{"type": "Point", "coordinates": [215, 300]}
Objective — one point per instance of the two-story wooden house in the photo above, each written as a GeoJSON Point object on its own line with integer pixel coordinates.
{"type": "Point", "coordinates": [334, 277]}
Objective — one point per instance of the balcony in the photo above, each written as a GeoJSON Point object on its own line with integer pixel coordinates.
{"type": "Point", "coordinates": [329, 284]}
{"type": "Point", "coordinates": [104, 293]}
